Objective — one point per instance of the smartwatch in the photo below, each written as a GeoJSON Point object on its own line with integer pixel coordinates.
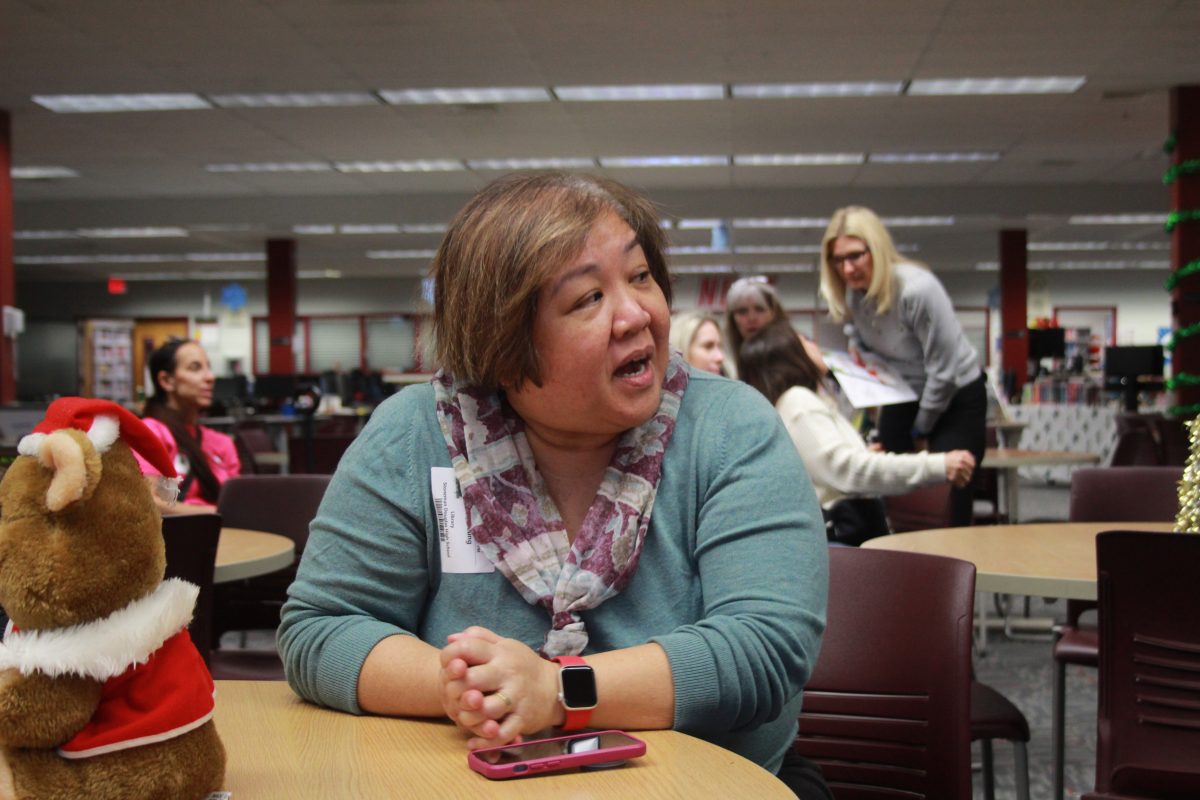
{"type": "Point", "coordinates": [576, 691]}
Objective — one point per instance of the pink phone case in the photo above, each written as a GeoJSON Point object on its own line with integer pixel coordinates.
{"type": "Point", "coordinates": [629, 747]}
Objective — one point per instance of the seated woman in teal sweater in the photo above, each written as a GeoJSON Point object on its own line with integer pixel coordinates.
{"type": "Point", "coordinates": [500, 517]}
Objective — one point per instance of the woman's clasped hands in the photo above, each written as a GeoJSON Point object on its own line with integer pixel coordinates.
{"type": "Point", "coordinates": [496, 688]}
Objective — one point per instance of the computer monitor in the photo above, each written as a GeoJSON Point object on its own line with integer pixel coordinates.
{"type": "Point", "coordinates": [1047, 343]}
{"type": "Point", "coordinates": [229, 393]}
{"type": "Point", "coordinates": [274, 390]}
{"type": "Point", "coordinates": [1131, 368]}
{"type": "Point", "coordinates": [234, 388]}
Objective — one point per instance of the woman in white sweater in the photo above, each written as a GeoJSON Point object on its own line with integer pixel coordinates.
{"type": "Point", "coordinates": [789, 371]}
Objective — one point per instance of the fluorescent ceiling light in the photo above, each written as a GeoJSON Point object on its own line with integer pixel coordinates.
{"type": "Point", "coordinates": [842, 89]}
{"type": "Point", "coordinates": [531, 163]}
{"type": "Point", "coordinates": [401, 253]}
{"type": "Point", "coordinates": [428, 165]}
{"type": "Point", "coordinates": [697, 224]}
{"type": "Point", "coordinates": [695, 250]}
{"type": "Point", "coordinates": [41, 173]}
{"type": "Point", "coordinates": [783, 268]}
{"type": "Point", "coordinates": [327, 229]}
{"type": "Point", "coordinates": [1097, 265]}
{"type": "Point", "coordinates": [295, 100]}
{"type": "Point", "coordinates": [133, 233]}
{"type": "Point", "coordinates": [1117, 219]}
{"type": "Point", "coordinates": [676, 91]}
{"type": "Point", "coordinates": [777, 248]}
{"type": "Point", "coordinates": [1059, 246]}
{"type": "Point", "coordinates": [665, 161]}
{"type": "Point", "coordinates": [44, 235]}
{"type": "Point", "coordinates": [251, 256]}
{"type": "Point", "coordinates": [99, 103]}
{"type": "Point", "coordinates": [931, 158]}
{"type": "Point", "coordinates": [797, 159]}
{"type": "Point", "coordinates": [987, 266]}
{"type": "Point", "coordinates": [916, 222]}
{"type": "Point", "coordinates": [700, 269]}
{"type": "Point", "coordinates": [368, 229]}
{"type": "Point", "coordinates": [318, 274]}
{"type": "Point", "coordinates": [484, 94]}
{"type": "Point", "coordinates": [781, 222]}
{"type": "Point", "coordinates": [272, 166]}
{"type": "Point", "coordinates": [960, 86]}
{"type": "Point", "coordinates": [180, 275]}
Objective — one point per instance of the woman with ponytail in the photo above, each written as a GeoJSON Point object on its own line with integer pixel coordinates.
{"type": "Point", "coordinates": [183, 388]}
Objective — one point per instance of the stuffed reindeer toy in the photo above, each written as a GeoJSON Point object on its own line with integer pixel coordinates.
{"type": "Point", "coordinates": [102, 693]}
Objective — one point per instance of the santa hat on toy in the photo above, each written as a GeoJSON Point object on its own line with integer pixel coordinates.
{"type": "Point", "coordinates": [103, 421]}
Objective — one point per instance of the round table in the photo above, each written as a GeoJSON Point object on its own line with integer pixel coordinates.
{"type": "Point", "coordinates": [281, 747]}
{"type": "Point", "coordinates": [1056, 559]}
{"type": "Point", "coordinates": [244, 553]}
{"type": "Point", "coordinates": [1008, 461]}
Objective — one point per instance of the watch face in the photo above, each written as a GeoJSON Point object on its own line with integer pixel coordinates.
{"type": "Point", "coordinates": [578, 687]}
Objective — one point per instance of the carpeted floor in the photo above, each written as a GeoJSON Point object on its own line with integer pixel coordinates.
{"type": "Point", "coordinates": [1023, 671]}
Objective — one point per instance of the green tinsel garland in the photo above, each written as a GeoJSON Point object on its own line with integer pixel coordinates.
{"type": "Point", "coordinates": [1183, 333]}
{"type": "Point", "coordinates": [1182, 215]}
{"type": "Point", "coordinates": [1190, 268]}
{"type": "Point", "coordinates": [1183, 379]}
{"type": "Point", "coordinates": [1169, 144]}
{"type": "Point", "coordinates": [1183, 411]}
{"type": "Point", "coordinates": [1182, 168]}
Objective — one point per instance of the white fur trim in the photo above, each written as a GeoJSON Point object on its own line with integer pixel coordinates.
{"type": "Point", "coordinates": [30, 445]}
{"type": "Point", "coordinates": [104, 431]}
{"type": "Point", "coordinates": [104, 648]}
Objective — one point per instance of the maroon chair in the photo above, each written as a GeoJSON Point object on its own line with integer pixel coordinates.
{"type": "Point", "coordinates": [317, 454]}
{"type": "Point", "coordinates": [1102, 494]}
{"type": "Point", "coordinates": [254, 445]}
{"type": "Point", "coordinates": [1172, 437]}
{"type": "Point", "coordinates": [282, 504]}
{"type": "Point", "coordinates": [1136, 448]}
{"type": "Point", "coordinates": [191, 547]}
{"type": "Point", "coordinates": [887, 710]}
{"type": "Point", "coordinates": [1148, 743]}
{"type": "Point", "coordinates": [920, 509]}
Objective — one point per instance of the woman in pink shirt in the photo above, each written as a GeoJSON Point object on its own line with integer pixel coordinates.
{"type": "Point", "coordinates": [204, 458]}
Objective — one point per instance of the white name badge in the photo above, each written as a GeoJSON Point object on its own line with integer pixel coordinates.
{"type": "Point", "coordinates": [460, 553]}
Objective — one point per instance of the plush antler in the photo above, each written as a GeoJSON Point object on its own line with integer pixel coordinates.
{"type": "Point", "coordinates": [62, 453]}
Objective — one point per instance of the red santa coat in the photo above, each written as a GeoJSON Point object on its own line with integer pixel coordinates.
{"type": "Point", "coordinates": [156, 685]}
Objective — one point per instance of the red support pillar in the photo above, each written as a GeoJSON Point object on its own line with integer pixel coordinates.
{"type": "Point", "coordinates": [1185, 238]}
{"type": "Point", "coordinates": [8, 292]}
{"type": "Point", "coordinates": [281, 305]}
{"type": "Point", "coordinates": [1014, 324]}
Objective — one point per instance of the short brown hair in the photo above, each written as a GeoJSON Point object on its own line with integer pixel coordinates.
{"type": "Point", "coordinates": [502, 247]}
{"type": "Point", "coordinates": [774, 360]}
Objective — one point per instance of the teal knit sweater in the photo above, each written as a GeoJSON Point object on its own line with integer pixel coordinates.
{"type": "Point", "coordinates": [731, 582]}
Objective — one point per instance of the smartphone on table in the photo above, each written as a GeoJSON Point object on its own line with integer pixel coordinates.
{"type": "Point", "coordinates": [539, 756]}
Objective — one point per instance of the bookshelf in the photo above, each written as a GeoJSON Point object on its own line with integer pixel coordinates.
{"type": "Point", "coordinates": [106, 359]}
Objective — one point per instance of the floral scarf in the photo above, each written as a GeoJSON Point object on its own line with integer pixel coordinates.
{"type": "Point", "coordinates": [516, 524]}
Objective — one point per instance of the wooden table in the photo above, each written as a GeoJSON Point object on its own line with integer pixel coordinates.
{"type": "Point", "coordinates": [244, 553]}
{"type": "Point", "coordinates": [281, 747]}
{"type": "Point", "coordinates": [1008, 431]}
{"type": "Point", "coordinates": [1054, 559]}
{"type": "Point", "coordinates": [1008, 461]}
